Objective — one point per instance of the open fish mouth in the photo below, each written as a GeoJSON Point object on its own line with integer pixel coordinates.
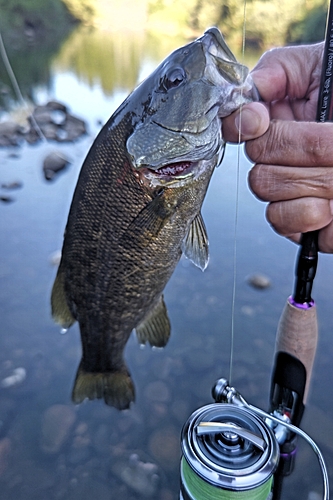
{"type": "Point", "coordinates": [177, 169]}
{"type": "Point", "coordinates": [172, 174]}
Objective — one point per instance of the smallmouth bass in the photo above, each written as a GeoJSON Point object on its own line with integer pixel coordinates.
{"type": "Point", "coordinates": [136, 209]}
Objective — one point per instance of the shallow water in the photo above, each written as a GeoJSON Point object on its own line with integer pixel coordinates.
{"type": "Point", "coordinates": [50, 448]}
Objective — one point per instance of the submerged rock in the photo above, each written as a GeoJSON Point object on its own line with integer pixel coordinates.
{"type": "Point", "coordinates": [57, 422]}
{"type": "Point", "coordinates": [10, 133]}
{"type": "Point", "coordinates": [17, 377]}
{"type": "Point", "coordinates": [53, 164]}
{"type": "Point", "coordinates": [6, 199]}
{"type": "Point", "coordinates": [259, 281]}
{"type": "Point", "coordinates": [54, 122]}
{"type": "Point", "coordinates": [12, 185]}
{"type": "Point", "coordinates": [142, 477]}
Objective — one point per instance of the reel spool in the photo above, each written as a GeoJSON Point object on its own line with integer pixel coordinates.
{"type": "Point", "coordinates": [228, 453]}
{"type": "Point", "coordinates": [231, 449]}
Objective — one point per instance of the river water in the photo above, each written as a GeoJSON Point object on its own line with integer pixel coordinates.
{"type": "Point", "coordinates": [50, 448]}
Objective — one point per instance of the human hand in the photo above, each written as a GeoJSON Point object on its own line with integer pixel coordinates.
{"type": "Point", "coordinates": [293, 167]}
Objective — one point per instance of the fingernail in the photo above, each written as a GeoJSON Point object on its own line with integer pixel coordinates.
{"type": "Point", "coordinates": [247, 123]}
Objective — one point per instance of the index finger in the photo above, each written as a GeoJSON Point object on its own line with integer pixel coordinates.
{"type": "Point", "coordinates": [288, 72]}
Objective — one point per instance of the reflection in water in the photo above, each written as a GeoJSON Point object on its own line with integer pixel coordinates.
{"type": "Point", "coordinates": [111, 60]}
{"type": "Point", "coordinates": [50, 448]}
{"type": "Point", "coordinates": [130, 222]}
{"type": "Point", "coordinates": [32, 35]}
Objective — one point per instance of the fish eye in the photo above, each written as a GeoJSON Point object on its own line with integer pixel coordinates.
{"type": "Point", "coordinates": [173, 78]}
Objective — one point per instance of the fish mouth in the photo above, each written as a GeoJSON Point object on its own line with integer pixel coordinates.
{"type": "Point", "coordinates": [172, 174]}
{"type": "Point", "coordinates": [176, 169]}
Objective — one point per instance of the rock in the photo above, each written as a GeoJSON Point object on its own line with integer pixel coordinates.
{"type": "Point", "coordinates": [57, 422]}
{"type": "Point", "coordinates": [73, 128]}
{"type": "Point", "coordinates": [157, 391]}
{"type": "Point", "coordinates": [53, 120]}
{"type": "Point", "coordinates": [10, 133]}
{"type": "Point", "coordinates": [6, 199]}
{"type": "Point", "coordinates": [54, 163]}
{"type": "Point", "coordinates": [55, 105]}
{"type": "Point", "coordinates": [5, 448]}
{"type": "Point", "coordinates": [165, 447]}
{"type": "Point", "coordinates": [259, 281]}
{"type": "Point", "coordinates": [12, 185]}
{"type": "Point", "coordinates": [142, 477]}
{"type": "Point", "coordinates": [17, 377]}
{"type": "Point", "coordinates": [313, 495]}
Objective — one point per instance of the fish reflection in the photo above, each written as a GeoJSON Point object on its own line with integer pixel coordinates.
{"type": "Point", "coordinates": [136, 209]}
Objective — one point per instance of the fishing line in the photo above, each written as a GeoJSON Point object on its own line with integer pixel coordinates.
{"type": "Point", "coordinates": [16, 87]}
{"type": "Point", "coordinates": [233, 304]}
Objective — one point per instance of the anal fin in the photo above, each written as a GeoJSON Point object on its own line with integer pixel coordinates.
{"type": "Point", "coordinates": [60, 310]}
{"type": "Point", "coordinates": [155, 327]}
{"type": "Point", "coordinates": [195, 244]}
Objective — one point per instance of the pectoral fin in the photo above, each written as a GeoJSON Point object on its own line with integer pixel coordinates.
{"type": "Point", "coordinates": [195, 244]}
{"type": "Point", "coordinates": [148, 223]}
{"type": "Point", "coordinates": [155, 328]}
{"type": "Point", "coordinates": [60, 310]}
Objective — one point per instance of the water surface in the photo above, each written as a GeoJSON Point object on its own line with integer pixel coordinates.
{"type": "Point", "coordinates": [95, 448]}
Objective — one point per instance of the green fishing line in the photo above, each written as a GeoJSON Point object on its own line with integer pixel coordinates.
{"type": "Point", "coordinates": [201, 490]}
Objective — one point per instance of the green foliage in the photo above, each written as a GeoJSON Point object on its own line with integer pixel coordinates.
{"type": "Point", "coordinates": [26, 22]}
{"type": "Point", "coordinates": [103, 58]}
{"type": "Point", "coordinates": [311, 27]}
{"type": "Point", "coordinates": [83, 10]}
{"type": "Point", "coordinates": [32, 31]}
{"type": "Point", "coordinates": [268, 22]}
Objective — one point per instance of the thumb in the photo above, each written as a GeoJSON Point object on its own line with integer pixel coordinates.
{"type": "Point", "coordinates": [251, 121]}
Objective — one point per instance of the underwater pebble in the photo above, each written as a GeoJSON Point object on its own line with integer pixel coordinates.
{"type": "Point", "coordinates": [53, 163]}
{"type": "Point", "coordinates": [80, 451]}
{"type": "Point", "coordinates": [141, 477]}
{"type": "Point", "coordinates": [313, 495]}
{"type": "Point", "coordinates": [57, 422]}
{"type": "Point", "coordinates": [164, 447]}
{"type": "Point", "coordinates": [5, 447]}
{"type": "Point", "coordinates": [259, 281]}
{"type": "Point", "coordinates": [157, 391]}
{"type": "Point", "coordinates": [12, 185]}
{"type": "Point", "coordinates": [18, 376]}
{"type": "Point", "coordinates": [198, 359]}
{"type": "Point", "coordinates": [248, 311]}
{"type": "Point", "coordinates": [6, 199]}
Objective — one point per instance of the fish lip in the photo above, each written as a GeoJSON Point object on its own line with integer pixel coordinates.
{"type": "Point", "coordinates": [214, 43]}
{"type": "Point", "coordinates": [225, 66]}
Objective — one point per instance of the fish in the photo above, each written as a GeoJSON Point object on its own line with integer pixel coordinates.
{"type": "Point", "coordinates": [136, 209]}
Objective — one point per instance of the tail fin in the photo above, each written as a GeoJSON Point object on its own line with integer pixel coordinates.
{"type": "Point", "coordinates": [116, 388]}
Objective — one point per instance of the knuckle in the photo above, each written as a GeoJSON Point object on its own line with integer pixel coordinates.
{"type": "Point", "coordinates": [257, 180]}
{"type": "Point", "coordinates": [266, 148]}
{"type": "Point", "coordinates": [318, 149]}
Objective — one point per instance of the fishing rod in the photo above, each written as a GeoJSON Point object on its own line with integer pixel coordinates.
{"type": "Point", "coordinates": [297, 332]}
{"type": "Point", "coordinates": [233, 450]}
